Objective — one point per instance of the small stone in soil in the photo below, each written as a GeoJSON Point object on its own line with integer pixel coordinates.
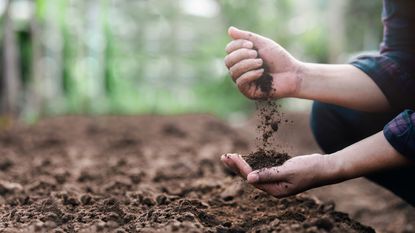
{"type": "Point", "coordinates": [265, 159]}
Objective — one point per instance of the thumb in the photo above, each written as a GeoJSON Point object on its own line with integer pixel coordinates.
{"type": "Point", "coordinates": [267, 175]}
{"type": "Point", "coordinates": [236, 33]}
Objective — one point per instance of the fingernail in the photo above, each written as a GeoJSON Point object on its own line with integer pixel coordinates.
{"type": "Point", "coordinates": [252, 53]}
{"type": "Point", "coordinates": [259, 61]}
{"type": "Point", "coordinates": [248, 44]}
{"type": "Point", "coordinates": [253, 177]}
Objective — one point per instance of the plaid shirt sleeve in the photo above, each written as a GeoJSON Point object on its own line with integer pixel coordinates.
{"type": "Point", "coordinates": [394, 75]}
{"type": "Point", "coordinates": [393, 70]}
{"type": "Point", "coordinates": [400, 133]}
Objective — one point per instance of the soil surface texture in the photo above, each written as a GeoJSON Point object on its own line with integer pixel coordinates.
{"type": "Point", "coordinates": [265, 159]}
{"type": "Point", "coordinates": [142, 174]}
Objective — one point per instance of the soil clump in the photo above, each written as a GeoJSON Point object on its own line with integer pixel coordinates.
{"type": "Point", "coordinates": [265, 159]}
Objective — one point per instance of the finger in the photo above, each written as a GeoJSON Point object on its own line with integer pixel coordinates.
{"type": "Point", "coordinates": [267, 175]}
{"type": "Point", "coordinates": [238, 44]}
{"type": "Point", "coordinates": [239, 55]}
{"type": "Point", "coordinates": [244, 66]}
{"type": "Point", "coordinates": [249, 77]}
{"type": "Point", "coordinates": [229, 163]}
{"type": "Point", "coordinates": [236, 33]}
{"type": "Point", "coordinates": [243, 166]}
{"type": "Point", "coordinates": [278, 190]}
{"type": "Point", "coordinates": [237, 163]}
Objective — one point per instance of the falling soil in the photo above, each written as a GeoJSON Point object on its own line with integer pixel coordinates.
{"type": "Point", "coordinates": [265, 159]}
{"type": "Point", "coordinates": [265, 155]}
{"type": "Point", "coordinates": [141, 174]}
{"type": "Point", "coordinates": [269, 119]}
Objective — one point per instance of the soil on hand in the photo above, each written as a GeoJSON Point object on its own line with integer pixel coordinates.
{"type": "Point", "coordinates": [265, 159]}
{"type": "Point", "coordinates": [264, 83]}
{"type": "Point", "coordinates": [141, 174]}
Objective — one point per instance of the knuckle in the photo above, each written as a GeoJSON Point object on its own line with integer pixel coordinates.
{"type": "Point", "coordinates": [228, 47]}
{"type": "Point", "coordinates": [240, 82]}
{"type": "Point", "coordinates": [227, 61]}
{"type": "Point", "coordinates": [264, 176]}
{"type": "Point", "coordinates": [232, 71]}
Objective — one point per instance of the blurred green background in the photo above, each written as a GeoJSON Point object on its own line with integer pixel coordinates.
{"type": "Point", "coordinates": [159, 56]}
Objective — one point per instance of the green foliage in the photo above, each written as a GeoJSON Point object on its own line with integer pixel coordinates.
{"type": "Point", "coordinates": [129, 57]}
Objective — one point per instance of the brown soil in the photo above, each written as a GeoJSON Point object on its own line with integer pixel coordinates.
{"type": "Point", "coordinates": [141, 174]}
{"type": "Point", "coordinates": [266, 159]}
{"type": "Point", "coordinates": [264, 83]}
{"type": "Point", "coordinates": [268, 120]}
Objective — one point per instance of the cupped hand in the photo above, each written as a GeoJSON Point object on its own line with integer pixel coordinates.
{"type": "Point", "coordinates": [296, 175]}
{"type": "Point", "coordinates": [251, 55]}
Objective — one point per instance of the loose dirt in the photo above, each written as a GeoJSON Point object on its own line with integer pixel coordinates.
{"type": "Point", "coordinates": [265, 159]}
{"type": "Point", "coordinates": [142, 174]}
{"type": "Point", "coordinates": [269, 118]}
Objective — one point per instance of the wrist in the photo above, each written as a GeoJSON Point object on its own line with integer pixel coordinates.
{"type": "Point", "coordinates": [301, 75]}
{"type": "Point", "coordinates": [334, 170]}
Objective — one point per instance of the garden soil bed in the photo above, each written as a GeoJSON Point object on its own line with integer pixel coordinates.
{"type": "Point", "coordinates": [142, 174]}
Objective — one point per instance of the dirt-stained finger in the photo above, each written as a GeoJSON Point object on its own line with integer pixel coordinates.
{"type": "Point", "coordinates": [235, 160]}
{"type": "Point", "coordinates": [279, 190]}
{"type": "Point", "coordinates": [266, 175]}
{"type": "Point", "coordinates": [239, 55]}
{"type": "Point", "coordinates": [243, 166]}
{"type": "Point", "coordinates": [238, 44]}
{"type": "Point", "coordinates": [228, 161]}
{"type": "Point", "coordinates": [249, 77]}
{"type": "Point", "coordinates": [244, 66]}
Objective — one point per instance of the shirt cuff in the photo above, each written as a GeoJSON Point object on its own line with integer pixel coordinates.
{"type": "Point", "coordinates": [400, 133]}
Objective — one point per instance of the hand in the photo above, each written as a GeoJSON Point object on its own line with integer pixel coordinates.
{"type": "Point", "coordinates": [249, 53]}
{"type": "Point", "coordinates": [296, 175]}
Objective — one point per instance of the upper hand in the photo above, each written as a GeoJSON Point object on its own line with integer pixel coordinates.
{"type": "Point", "coordinates": [249, 53]}
{"type": "Point", "coordinates": [296, 175]}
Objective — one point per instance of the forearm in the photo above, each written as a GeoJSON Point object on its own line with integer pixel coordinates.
{"type": "Point", "coordinates": [371, 155]}
{"type": "Point", "coordinates": [343, 85]}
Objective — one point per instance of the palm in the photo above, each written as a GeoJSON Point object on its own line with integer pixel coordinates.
{"type": "Point", "coordinates": [295, 175]}
{"type": "Point", "coordinates": [239, 165]}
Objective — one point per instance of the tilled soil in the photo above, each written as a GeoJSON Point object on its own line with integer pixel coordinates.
{"type": "Point", "coordinates": [141, 174]}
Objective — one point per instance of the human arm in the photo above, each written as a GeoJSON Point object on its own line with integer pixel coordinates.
{"type": "Point", "coordinates": [343, 85]}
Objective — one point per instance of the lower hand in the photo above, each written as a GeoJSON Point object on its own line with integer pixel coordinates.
{"type": "Point", "coordinates": [296, 175]}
